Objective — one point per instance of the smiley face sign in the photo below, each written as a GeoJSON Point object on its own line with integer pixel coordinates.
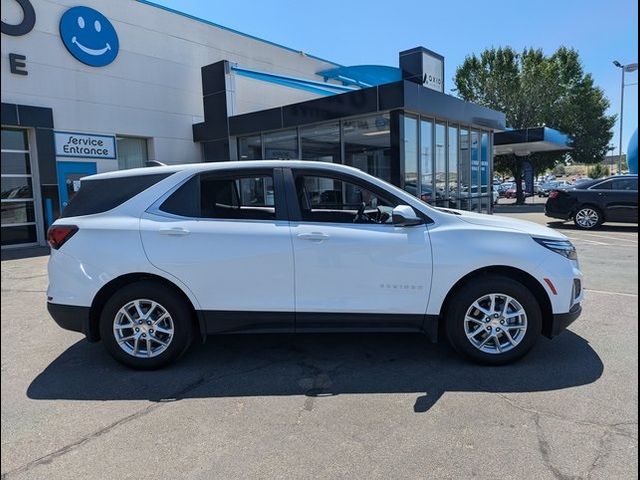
{"type": "Point", "coordinates": [89, 36]}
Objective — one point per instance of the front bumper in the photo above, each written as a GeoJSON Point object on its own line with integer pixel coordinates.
{"type": "Point", "coordinates": [72, 317]}
{"type": "Point", "coordinates": [561, 321]}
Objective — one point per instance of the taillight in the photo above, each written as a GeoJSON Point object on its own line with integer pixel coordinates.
{"type": "Point", "coordinates": [57, 235]}
{"type": "Point", "coordinates": [554, 193]}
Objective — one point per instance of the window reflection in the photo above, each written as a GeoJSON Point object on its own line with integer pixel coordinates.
{"type": "Point", "coordinates": [250, 148]}
{"type": "Point", "coordinates": [367, 145]}
{"type": "Point", "coordinates": [410, 154]}
{"type": "Point", "coordinates": [475, 165]}
{"type": "Point", "coordinates": [281, 145]}
{"type": "Point", "coordinates": [452, 155]}
{"type": "Point", "coordinates": [485, 167]}
{"type": "Point", "coordinates": [464, 171]}
{"type": "Point", "coordinates": [321, 142]}
{"type": "Point", "coordinates": [426, 161]}
{"type": "Point", "coordinates": [441, 165]}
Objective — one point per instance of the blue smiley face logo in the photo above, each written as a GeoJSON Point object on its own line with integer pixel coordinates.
{"type": "Point", "coordinates": [89, 36]}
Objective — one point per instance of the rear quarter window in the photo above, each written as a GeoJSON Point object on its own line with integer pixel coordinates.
{"type": "Point", "coordinates": [97, 196]}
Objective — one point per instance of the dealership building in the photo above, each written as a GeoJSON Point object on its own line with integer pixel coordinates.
{"type": "Point", "coordinates": [112, 85]}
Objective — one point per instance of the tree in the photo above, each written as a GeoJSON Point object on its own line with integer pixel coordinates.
{"type": "Point", "coordinates": [533, 89]}
{"type": "Point", "coordinates": [598, 171]}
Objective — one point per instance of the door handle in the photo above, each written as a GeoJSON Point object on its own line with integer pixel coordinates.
{"type": "Point", "coordinates": [313, 236]}
{"type": "Point", "coordinates": [174, 231]}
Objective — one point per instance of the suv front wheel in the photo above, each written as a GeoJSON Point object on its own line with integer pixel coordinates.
{"type": "Point", "coordinates": [493, 320]}
{"type": "Point", "coordinates": [146, 325]}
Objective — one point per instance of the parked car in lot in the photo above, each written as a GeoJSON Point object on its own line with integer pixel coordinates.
{"type": "Point", "coordinates": [590, 204]}
{"type": "Point", "coordinates": [545, 188]}
{"type": "Point", "coordinates": [503, 187]}
{"type": "Point", "coordinates": [512, 193]}
{"type": "Point", "coordinates": [146, 260]}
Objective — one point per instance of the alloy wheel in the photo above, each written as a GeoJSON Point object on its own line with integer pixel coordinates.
{"type": "Point", "coordinates": [495, 323]}
{"type": "Point", "coordinates": [143, 328]}
{"type": "Point", "coordinates": [587, 218]}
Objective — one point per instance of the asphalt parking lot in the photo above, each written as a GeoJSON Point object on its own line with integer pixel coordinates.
{"type": "Point", "coordinates": [329, 406]}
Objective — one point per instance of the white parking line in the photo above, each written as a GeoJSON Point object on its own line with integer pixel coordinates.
{"type": "Point", "coordinates": [608, 237]}
{"type": "Point", "coordinates": [617, 242]}
{"type": "Point", "coordinates": [591, 242]}
{"type": "Point", "coordinates": [633, 295]}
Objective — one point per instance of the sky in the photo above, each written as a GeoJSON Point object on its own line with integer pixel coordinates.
{"type": "Point", "coordinates": [356, 32]}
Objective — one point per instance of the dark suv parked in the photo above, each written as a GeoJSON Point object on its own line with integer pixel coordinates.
{"type": "Point", "coordinates": [590, 204]}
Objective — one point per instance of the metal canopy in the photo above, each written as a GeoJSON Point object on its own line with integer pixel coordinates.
{"type": "Point", "coordinates": [525, 141]}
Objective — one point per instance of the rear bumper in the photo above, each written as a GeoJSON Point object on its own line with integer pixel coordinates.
{"type": "Point", "coordinates": [71, 317]}
{"type": "Point", "coordinates": [563, 215]}
{"type": "Point", "coordinates": [562, 320]}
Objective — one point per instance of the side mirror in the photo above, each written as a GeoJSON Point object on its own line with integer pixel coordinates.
{"type": "Point", "coordinates": [405, 216]}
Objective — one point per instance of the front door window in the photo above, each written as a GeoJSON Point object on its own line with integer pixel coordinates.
{"type": "Point", "coordinates": [331, 200]}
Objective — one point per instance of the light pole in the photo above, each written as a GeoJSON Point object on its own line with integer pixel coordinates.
{"type": "Point", "coordinates": [632, 67]}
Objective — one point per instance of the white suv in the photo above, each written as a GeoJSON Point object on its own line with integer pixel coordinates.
{"type": "Point", "coordinates": [146, 260]}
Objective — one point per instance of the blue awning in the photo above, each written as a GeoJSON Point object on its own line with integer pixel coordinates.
{"type": "Point", "coordinates": [363, 75]}
{"type": "Point", "coordinates": [319, 88]}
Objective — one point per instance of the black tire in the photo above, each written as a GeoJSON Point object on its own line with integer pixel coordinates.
{"type": "Point", "coordinates": [175, 306]}
{"type": "Point", "coordinates": [474, 289]}
{"type": "Point", "coordinates": [583, 210]}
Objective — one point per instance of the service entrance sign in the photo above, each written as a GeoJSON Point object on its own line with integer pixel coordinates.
{"type": "Point", "coordinates": [70, 144]}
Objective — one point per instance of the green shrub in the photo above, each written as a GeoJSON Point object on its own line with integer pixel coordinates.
{"type": "Point", "coordinates": [559, 170]}
{"type": "Point", "coordinates": [598, 171]}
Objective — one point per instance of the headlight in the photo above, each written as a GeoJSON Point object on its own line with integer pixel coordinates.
{"type": "Point", "coordinates": [563, 247]}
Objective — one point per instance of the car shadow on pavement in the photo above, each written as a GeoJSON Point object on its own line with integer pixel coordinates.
{"type": "Point", "coordinates": [315, 365]}
{"type": "Point", "coordinates": [607, 227]}
{"type": "Point", "coordinates": [21, 253]}
{"type": "Point", "coordinates": [511, 207]}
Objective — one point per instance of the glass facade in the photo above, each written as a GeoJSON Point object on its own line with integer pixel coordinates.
{"type": "Point", "coordinates": [485, 180]}
{"type": "Point", "coordinates": [409, 154]}
{"type": "Point", "coordinates": [426, 161]}
{"type": "Point", "coordinates": [453, 193]}
{"type": "Point", "coordinates": [250, 148]}
{"type": "Point", "coordinates": [442, 163]}
{"type": "Point", "coordinates": [282, 145]}
{"type": "Point", "coordinates": [367, 144]}
{"type": "Point", "coordinates": [18, 224]}
{"type": "Point", "coordinates": [464, 163]}
{"type": "Point", "coordinates": [321, 142]}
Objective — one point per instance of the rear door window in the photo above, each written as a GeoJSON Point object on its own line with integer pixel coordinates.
{"type": "Point", "coordinates": [241, 196]}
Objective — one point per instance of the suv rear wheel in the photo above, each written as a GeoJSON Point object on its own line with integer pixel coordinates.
{"type": "Point", "coordinates": [146, 325]}
{"type": "Point", "coordinates": [493, 320]}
